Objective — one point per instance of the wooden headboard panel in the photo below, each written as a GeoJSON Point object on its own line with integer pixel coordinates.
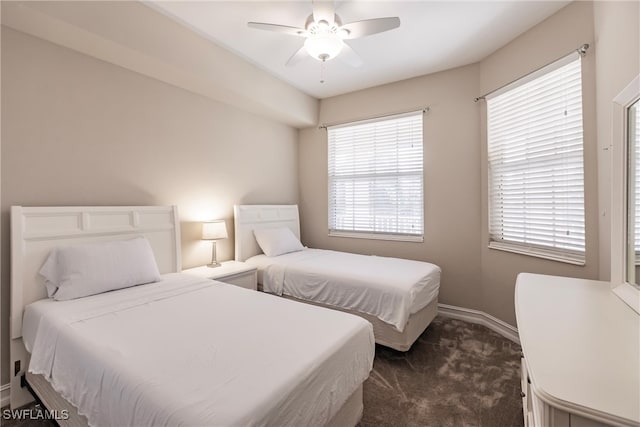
{"type": "Point", "coordinates": [250, 217]}
{"type": "Point", "coordinates": [37, 230]}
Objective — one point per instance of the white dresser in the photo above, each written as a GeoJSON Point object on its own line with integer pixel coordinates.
{"type": "Point", "coordinates": [581, 353]}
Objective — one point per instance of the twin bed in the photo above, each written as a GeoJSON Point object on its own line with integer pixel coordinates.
{"type": "Point", "coordinates": [180, 351]}
{"type": "Point", "coordinates": [188, 351]}
{"type": "Point", "coordinates": [398, 297]}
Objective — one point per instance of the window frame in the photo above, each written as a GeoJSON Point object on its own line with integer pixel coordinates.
{"type": "Point", "coordinates": [633, 166]}
{"type": "Point", "coordinates": [368, 234]}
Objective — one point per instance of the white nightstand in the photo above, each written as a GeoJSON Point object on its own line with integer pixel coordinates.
{"type": "Point", "coordinates": [232, 272]}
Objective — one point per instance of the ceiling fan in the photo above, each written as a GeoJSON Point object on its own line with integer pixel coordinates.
{"type": "Point", "coordinates": [325, 34]}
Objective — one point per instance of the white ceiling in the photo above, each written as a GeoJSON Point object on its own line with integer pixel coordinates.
{"type": "Point", "coordinates": [433, 36]}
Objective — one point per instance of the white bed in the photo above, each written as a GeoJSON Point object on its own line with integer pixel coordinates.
{"type": "Point", "coordinates": [183, 350]}
{"type": "Point", "coordinates": [399, 297]}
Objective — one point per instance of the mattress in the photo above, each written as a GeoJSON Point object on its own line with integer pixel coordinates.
{"type": "Point", "coordinates": [190, 351]}
{"type": "Point", "coordinates": [390, 289]}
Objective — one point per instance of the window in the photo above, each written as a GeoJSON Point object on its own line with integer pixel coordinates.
{"type": "Point", "coordinates": [535, 153]}
{"type": "Point", "coordinates": [634, 174]}
{"type": "Point", "coordinates": [375, 178]}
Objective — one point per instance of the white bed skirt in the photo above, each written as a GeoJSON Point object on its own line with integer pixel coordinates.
{"type": "Point", "coordinates": [387, 335]}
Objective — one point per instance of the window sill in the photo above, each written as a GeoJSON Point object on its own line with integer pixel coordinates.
{"type": "Point", "coordinates": [377, 236]}
{"type": "Point", "coordinates": [566, 257]}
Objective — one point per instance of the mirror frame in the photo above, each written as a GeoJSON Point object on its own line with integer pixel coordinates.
{"type": "Point", "coordinates": [628, 292]}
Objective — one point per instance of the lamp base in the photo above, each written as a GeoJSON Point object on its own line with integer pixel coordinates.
{"type": "Point", "coordinates": [214, 258]}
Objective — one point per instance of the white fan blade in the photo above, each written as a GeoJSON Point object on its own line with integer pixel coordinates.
{"type": "Point", "coordinates": [278, 28]}
{"type": "Point", "coordinates": [324, 11]}
{"type": "Point", "coordinates": [349, 56]}
{"type": "Point", "coordinates": [368, 27]}
{"type": "Point", "coordinates": [297, 57]}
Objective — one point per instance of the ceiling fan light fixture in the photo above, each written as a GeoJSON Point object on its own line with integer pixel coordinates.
{"type": "Point", "coordinates": [343, 32]}
{"type": "Point", "coordinates": [323, 46]}
{"type": "Point", "coordinates": [324, 33]}
{"type": "Point", "coordinates": [323, 26]}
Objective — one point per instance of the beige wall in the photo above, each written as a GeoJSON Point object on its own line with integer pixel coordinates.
{"type": "Point", "coordinates": [617, 43]}
{"type": "Point", "coordinates": [79, 131]}
{"type": "Point", "coordinates": [451, 176]}
{"type": "Point", "coordinates": [553, 38]}
{"type": "Point", "coordinates": [133, 35]}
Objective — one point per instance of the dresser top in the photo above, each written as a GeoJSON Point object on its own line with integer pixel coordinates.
{"type": "Point", "coordinates": [582, 346]}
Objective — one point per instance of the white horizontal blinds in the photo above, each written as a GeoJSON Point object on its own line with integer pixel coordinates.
{"type": "Point", "coordinates": [535, 152]}
{"type": "Point", "coordinates": [375, 176]}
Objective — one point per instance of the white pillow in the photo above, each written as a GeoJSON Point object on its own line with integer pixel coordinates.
{"type": "Point", "coordinates": [277, 241]}
{"type": "Point", "coordinates": [77, 271]}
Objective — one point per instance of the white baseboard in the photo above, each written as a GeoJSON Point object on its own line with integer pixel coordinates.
{"type": "Point", "coordinates": [5, 393]}
{"type": "Point", "coordinates": [482, 318]}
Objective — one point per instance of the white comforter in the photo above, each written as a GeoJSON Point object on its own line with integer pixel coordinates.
{"type": "Point", "coordinates": [186, 351]}
{"type": "Point", "coordinates": [389, 288]}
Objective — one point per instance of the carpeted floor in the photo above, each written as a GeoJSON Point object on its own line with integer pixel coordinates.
{"type": "Point", "coordinates": [457, 374]}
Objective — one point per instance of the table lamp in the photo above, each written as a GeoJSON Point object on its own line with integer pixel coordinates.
{"type": "Point", "coordinates": [214, 230]}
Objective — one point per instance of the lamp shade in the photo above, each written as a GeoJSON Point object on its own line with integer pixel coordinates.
{"type": "Point", "coordinates": [214, 230]}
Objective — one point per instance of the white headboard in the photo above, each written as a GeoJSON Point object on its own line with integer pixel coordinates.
{"type": "Point", "coordinates": [37, 230]}
{"type": "Point", "coordinates": [250, 217]}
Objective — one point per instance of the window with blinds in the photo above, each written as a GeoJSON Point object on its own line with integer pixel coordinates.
{"type": "Point", "coordinates": [634, 172]}
{"type": "Point", "coordinates": [375, 178]}
{"type": "Point", "coordinates": [535, 154]}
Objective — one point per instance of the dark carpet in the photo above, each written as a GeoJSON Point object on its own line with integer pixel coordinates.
{"type": "Point", "coordinates": [457, 374]}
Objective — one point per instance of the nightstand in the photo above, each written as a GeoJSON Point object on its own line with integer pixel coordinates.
{"type": "Point", "coordinates": [232, 272]}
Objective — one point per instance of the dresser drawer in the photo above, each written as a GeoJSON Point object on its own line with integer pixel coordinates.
{"type": "Point", "coordinates": [524, 387]}
{"type": "Point", "coordinates": [524, 373]}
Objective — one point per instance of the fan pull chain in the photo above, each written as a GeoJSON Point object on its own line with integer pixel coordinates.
{"type": "Point", "coordinates": [322, 72]}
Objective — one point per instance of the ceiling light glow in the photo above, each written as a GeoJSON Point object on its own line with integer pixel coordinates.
{"type": "Point", "coordinates": [323, 45]}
